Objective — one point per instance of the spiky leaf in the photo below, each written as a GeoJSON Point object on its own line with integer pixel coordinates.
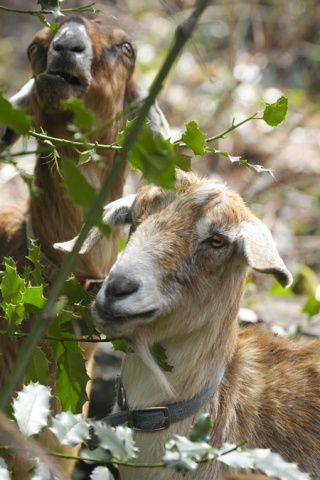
{"type": "Point", "coordinates": [70, 429]}
{"type": "Point", "coordinates": [31, 408]}
{"type": "Point", "coordinates": [120, 447]}
{"type": "Point", "coordinates": [194, 138]}
{"type": "Point", "coordinates": [101, 473]}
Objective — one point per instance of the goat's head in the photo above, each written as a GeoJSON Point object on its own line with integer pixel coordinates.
{"type": "Point", "coordinates": [86, 59]}
{"type": "Point", "coordinates": [185, 262]}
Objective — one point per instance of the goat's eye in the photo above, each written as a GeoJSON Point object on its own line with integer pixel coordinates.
{"type": "Point", "coordinates": [217, 242]}
{"type": "Point", "coordinates": [127, 49]}
{"type": "Point", "coordinates": [32, 50]}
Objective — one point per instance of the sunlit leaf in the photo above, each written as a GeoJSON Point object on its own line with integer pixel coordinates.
{"type": "Point", "coordinates": [31, 408]}
{"type": "Point", "coordinates": [273, 465]}
{"type": "Point", "coordinates": [40, 472]}
{"type": "Point", "coordinates": [275, 113]}
{"type": "Point", "coordinates": [174, 460]}
{"type": "Point", "coordinates": [4, 473]}
{"type": "Point", "coordinates": [194, 138]}
{"type": "Point", "coordinates": [312, 306]}
{"type": "Point", "coordinates": [120, 448]}
{"type": "Point", "coordinates": [101, 473]}
{"type": "Point", "coordinates": [70, 429]}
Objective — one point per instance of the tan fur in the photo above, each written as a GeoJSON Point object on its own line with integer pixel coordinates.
{"type": "Point", "coordinates": [270, 392]}
{"type": "Point", "coordinates": [50, 215]}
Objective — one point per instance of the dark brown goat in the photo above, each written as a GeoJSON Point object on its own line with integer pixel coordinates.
{"type": "Point", "coordinates": [89, 60]}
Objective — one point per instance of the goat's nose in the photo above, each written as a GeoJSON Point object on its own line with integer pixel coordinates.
{"type": "Point", "coordinates": [122, 287]}
{"type": "Point", "coordinates": [70, 41]}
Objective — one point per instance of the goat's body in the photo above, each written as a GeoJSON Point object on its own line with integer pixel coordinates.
{"type": "Point", "coordinates": [269, 395]}
{"type": "Point", "coordinates": [179, 282]}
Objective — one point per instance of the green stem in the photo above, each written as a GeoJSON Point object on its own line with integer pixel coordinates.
{"type": "Point", "coordinates": [233, 127]}
{"type": "Point", "coordinates": [48, 12]}
{"type": "Point", "coordinates": [73, 143]}
{"type": "Point", "coordinates": [183, 33]}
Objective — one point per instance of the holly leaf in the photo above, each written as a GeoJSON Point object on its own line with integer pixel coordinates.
{"type": "Point", "coordinates": [194, 138]}
{"type": "Point", "coordinates": [38, 368]}
{"type": "Point", "coordinates": [71, 378]}
{"type": "Point", "coordinates": [154, 157]}
{"type": "Point", "coordinates": [101, 473]}
{"type": "Point", "coordinates": [14, 117]}
{"type": "Point", "coordinates": [312, 306]}
{"type": "Point", "coordinates": [275, 113]}
{"type": "Point", "coordinates": [31, 408]}
{"type": "Point", "coordinates": [34, 255]}
{"type": "Point", "coordinates": [70, 429]}
{"type": "Point", "coordinates": [178, 462]}
{"type": "Point", "coordinates": [119, 442]}
{"type": "Point", "coordinates": [159, 354]}
{"type": "Point", "coordinates": [200, 430]}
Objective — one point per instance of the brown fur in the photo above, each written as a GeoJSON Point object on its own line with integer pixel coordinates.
{"type": "Point", "coordinates": [171, 268]}
{"type": "Point", "coordinates": [50, 216]}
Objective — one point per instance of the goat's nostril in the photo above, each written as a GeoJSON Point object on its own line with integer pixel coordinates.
{"type": "Point", "coordinates": [121, 288]}
{"type": "Point", "coordinates": [75, 47]}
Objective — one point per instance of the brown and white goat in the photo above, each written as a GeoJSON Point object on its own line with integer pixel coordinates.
{"type": "Point", "coordinates": [89, 60]}
{"type": "Point", "coordinates": [179, 282]}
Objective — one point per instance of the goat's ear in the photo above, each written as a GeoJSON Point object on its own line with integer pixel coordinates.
{"type": "Point", "coordinates": [115, 213]}
{"type": "Point", "coordinates": [157, 121]}
{"type": "Point", "coordinates": [260, 251]}
{"type": "Point", "coordinates": [20, 100]}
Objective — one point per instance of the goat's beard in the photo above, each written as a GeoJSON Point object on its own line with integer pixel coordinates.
{"type": "Point", "coordinates": [52, 90]}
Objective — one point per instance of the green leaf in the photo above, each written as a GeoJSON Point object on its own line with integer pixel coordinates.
{"type": "Point", "coordinates": [194, 138]}
{"type": "Point", "coordinates": [234, 457]}
{"type": "Point", "coordinates": [78, 188]}
{"type": "Point", "coordinates": [70, 429]}
{"type": "Point", "coordinates": [71, 378]}
{"type": "Point", "coordinates": [12, 285]}
{"type": "Point", "coordinates": [38, 368]}
{"type": "Point", "coordinates": [52, 5]}
{"type": "Point", "coordinates": [120, 446]}
{"type": "Point", "coordinates": [200, 430]}
{"type": "Point", "coordinates": [275, 113]}
{"type": "Point", "coordinates": [119, 345]}
{"type": "Point", "coordinates": [154, 156]}
{"type": "Point", "coordinates": [31, 408]}
{"type": "Point", "coordinates": [16, 118]}
{"type": "Point", "coordinates": [312, 306]}
{"type": "Point", "coordinates": [280, 291]}
{"type": "Point", "coordinates": [101, 473]}
{"type": "Point", "coordinates": [34, 255]}
{"type": "Point", "coordinates": [188, 448]}
{"type": "Point", "coordinates": [84, 119]}
{"type": "Point", "coordinates": [159, 354]}
{"type": "Point", "coordinates": [80, 301]}
{"type": "Point", "coordinates": [33, 299]}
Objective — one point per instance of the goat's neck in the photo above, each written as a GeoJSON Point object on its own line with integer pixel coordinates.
{"type": "Point", "coordinates": [196, 359]}
{"type": "Point", "coordinates": [54, 217]}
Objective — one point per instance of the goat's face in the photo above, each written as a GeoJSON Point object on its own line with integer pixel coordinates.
{"type": "Point", "coordinates": [84, 58]}
{"type": "Point", "coordinates": [185, 261]}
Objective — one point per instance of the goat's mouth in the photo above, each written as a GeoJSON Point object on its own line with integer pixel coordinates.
{"type": "Point", "coordinates": [67, 77]}
{"type": "Point", "coordinates": [106, 319]}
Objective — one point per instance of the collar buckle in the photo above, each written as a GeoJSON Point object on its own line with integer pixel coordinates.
{"type": "Point", "coordinates": [162, 414]}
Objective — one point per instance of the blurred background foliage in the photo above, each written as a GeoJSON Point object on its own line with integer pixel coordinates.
{"type": "Point", "coordinates": [243, 53]}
